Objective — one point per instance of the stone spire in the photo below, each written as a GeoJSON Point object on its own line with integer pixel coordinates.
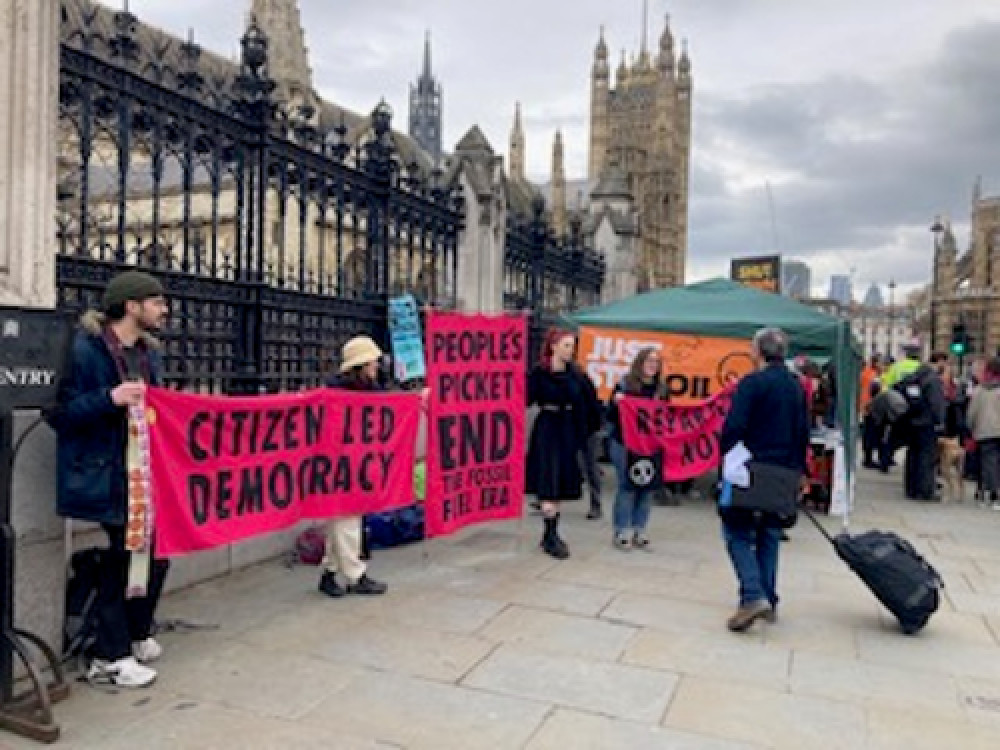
{"type": "Point", "coordinates": [600, 97]}
{"type": "Point", "coordinates": [644, 41]}
{"type": "Point", "coordinates": [684, 66]}
{"type": "Point", "coordinates": [427, 56]}
{"type": "Point", "coordinates": [517, 145]}
{"type": "Point", "coordinates": [558, 187]}
{"type": "Point", "coordinates": [426, 108]}
{"type": "Point", "coordinates": [621, 78]}
{"type": "Point", "coordinates": [288, 56]}
{"type": "Point", "coordinates": [666, 62]}
{"type": "Point", "coordinates": [601, 51]}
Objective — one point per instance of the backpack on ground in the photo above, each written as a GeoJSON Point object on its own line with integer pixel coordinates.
{"type": "Point", "coordinates": [394, 527]}
{"type": "Point", "coordinates": [310, 546]}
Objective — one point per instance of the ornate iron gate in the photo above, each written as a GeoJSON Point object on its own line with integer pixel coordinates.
{"type": "Point", "coordinates": [276, 234]}
{"type": "Point", "coordinates": [546, 274]}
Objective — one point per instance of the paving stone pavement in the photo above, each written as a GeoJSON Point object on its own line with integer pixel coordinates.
{"type": "Point", "coordinates": [483, 642]}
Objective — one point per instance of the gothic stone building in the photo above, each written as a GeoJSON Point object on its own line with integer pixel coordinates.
{"type": "Point", "coordinates": [966, 287]}
{"type": "Point", "coordinates": [642, 127]}
{"type": "Point", "coordinates": [633, 206]}
{"type": "Point", "coordinates": [169, 211]}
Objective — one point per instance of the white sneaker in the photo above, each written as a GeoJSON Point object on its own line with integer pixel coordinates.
{"type": "Point", "coordinates": [147, 651]}
{"type": "Point", "coordinates": [125, 673]}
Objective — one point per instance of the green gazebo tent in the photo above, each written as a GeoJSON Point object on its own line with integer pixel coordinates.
{"type": "Point", "coordinates": [725, 309]}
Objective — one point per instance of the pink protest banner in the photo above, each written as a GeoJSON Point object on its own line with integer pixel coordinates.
{"type": "Point", "coordinates": [229, 469]}
{"type": "Point", "coordinates": [475, 448]}
{"type": "Point", "coordinates": [688, 435]}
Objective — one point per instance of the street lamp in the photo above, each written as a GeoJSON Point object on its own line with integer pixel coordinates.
{"type": "Point", "coordinates": [892, 314]}
{"type": "Point", "coordinates": [937, 229]}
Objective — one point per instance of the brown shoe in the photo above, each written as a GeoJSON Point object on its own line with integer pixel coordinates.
{"type": "Point", "coordinates": [747, 616]}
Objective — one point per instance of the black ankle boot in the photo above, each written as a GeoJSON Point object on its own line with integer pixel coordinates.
{"type": "Point", "coordinates": [551, 543]}
{"type": "Point", "coordinates": [548, 524]}
{"type": "Point", "coordinates": [329, 586]}
{"type": "Point", "coordinates": [595, 510]}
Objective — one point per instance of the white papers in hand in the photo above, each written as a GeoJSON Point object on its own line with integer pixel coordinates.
{"type": "Point", "coordinates": [734, 466]}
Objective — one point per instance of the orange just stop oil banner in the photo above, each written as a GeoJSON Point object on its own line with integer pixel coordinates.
{"type": "Point", "coordinates": [696, 368]}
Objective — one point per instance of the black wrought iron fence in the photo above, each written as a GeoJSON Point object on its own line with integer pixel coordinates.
{"type": "Point", "coordinates": [277, 233]}
{"type": "Point", "coordinates": [546, 275]}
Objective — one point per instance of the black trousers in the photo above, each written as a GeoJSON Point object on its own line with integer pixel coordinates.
{"type": "Point", "coordinates": [921, 463]}
{"type": "Point", "coordinates": [871, 438]}
{"type": "Point", "coordinates": [893, 436]}
{"type": "Point", "coordinates": [121, 621]}
{"type": "Point", "coordinates": [591, 469]}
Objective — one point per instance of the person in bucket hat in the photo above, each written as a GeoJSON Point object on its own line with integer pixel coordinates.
{"type": "Point", "coordinates": [359, 363]}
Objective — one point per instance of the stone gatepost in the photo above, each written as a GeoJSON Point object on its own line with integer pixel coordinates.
{"type": "Point", "coordinates": [481, 244]}
{"type": "Point", "coordinates": [29, 117]}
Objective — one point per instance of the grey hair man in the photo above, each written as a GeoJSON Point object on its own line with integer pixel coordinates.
{"type": "Point", "coordinates": [769, 415]}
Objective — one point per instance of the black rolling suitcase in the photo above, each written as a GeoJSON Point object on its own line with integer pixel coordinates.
{"type": "Point", "coordinates": [895, 572]}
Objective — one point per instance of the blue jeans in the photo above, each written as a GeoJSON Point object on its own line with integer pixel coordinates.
{"type": "Point", "coordinates": [754, 554]}
{"type": "Point", "coordinates": [631, 505]}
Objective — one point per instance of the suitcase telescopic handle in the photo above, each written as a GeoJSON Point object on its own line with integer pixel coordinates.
{"type": "Point", "coordinates": [816, 523]}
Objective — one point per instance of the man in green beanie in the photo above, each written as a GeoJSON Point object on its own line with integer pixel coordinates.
{"type": "Point", "coordinates": [114, 359]}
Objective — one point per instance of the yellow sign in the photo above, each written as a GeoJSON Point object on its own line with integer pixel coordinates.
{"type": "Point", "coordinates": [695, 367]}
{"type": "Point", "coordinates": [759, 273]}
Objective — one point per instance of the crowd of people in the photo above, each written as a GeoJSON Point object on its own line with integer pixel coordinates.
{"type": "Point", "coordinates": [945, 420]}
{"type": "Point", "coordinates": [774, 409]}
{"type": "Point", "coordinates": [770, 416]}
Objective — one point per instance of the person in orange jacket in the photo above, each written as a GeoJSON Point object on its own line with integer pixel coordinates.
{"type": "Point", "coordinates": [871, 427]}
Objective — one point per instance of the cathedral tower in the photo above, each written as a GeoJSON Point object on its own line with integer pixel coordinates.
{"type": "Point", "coordinates": [288, 56]}
{"type": "Point", "coordinates": [945, 282]}
{"type": "Point", "coordinates": [643, 124]}
{"type": "Point", "coordinates": [600, 93]}
{"type": "Point", "coordinates": [517, 146]}
{"type": "Point", "coordinates": [425, 108]}
{"type": "Point", "coordinates": [683, 145]}
{"type": "Point", "coordinates": [559, 223]}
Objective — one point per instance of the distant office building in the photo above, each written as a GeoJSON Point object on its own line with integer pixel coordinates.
{"type": "Point", "coordinates": [873, 297]}
{"type": "Point", "coordinates": [796, 279]}
{"type": "Point", "coordinates": [840, 289]}
{"type": "Point", "coordinates": [881, 330]}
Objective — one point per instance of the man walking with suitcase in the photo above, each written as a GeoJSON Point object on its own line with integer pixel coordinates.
{"type": "Point", "coordinates": [769, 415]}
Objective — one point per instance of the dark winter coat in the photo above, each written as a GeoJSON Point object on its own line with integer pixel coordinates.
{"type": "Point", "coordinates": [932, 408]}
{"type": "Point", "coordinates": [770, 416]}
{"type": "Point", "coordinates": [91, 432]}
{"type": "Point", "coordinates": [567, 405]}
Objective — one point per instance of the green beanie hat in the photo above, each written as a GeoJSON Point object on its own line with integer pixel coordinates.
{"type": "Point", "coordinates": [131, 285]}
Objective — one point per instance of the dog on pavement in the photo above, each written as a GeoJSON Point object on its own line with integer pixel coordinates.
{"type": "Point", "coordinates": [951, 465]}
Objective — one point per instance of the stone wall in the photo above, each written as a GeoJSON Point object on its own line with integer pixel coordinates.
{"type": "Point", "coordinates": [29, 113]}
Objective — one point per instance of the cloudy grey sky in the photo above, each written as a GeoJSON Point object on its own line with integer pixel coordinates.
{"type": "Point", "coordinates": [867, 117]}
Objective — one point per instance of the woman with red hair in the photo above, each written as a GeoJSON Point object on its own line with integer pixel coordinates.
{"type": "Point", "coordinates": [565, 421]}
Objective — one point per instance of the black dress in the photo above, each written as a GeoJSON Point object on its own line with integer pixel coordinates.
{"type": "Point", "coordinates": [559, 434]}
